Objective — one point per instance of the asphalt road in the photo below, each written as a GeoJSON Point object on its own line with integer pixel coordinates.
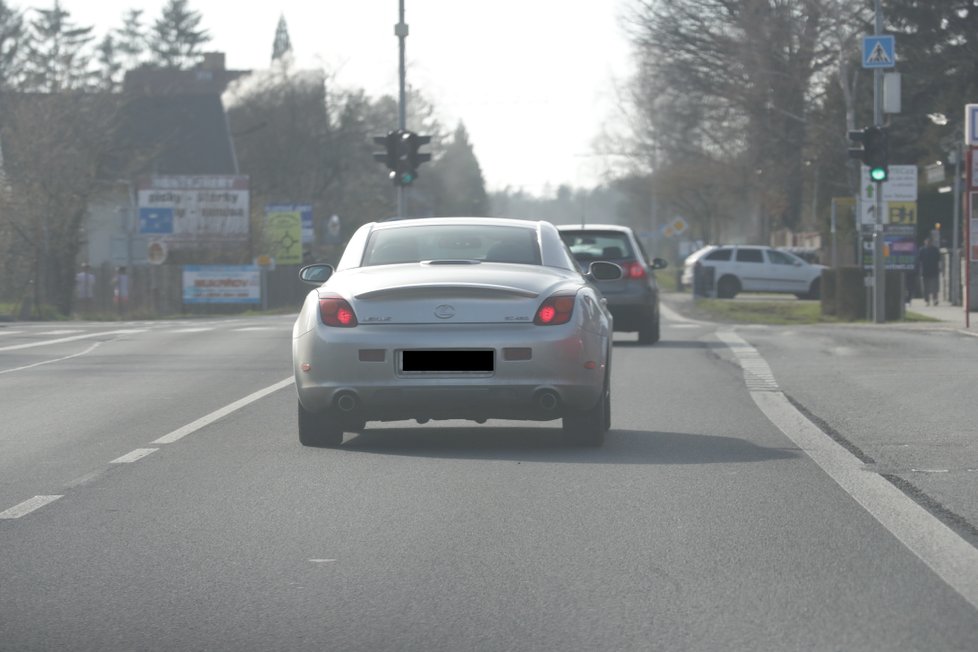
{"type": "Point", "coordinates": [761, 489]}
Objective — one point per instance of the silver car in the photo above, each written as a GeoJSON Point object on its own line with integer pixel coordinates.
{"type": "Point", "coordinates": [453, 318]}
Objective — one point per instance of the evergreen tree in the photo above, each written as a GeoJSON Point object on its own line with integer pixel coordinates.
{"type": "Point", "coordinates": [59, 52]}
{"type": "Point", "coordinates": [282, 45]}
{"type": "Point", "coordinates": [11, 36]}
{"type": "Point", "coordinates": [176, 37]}
{"type": "Point", "coordinates": [130, 40]}
{"type": "Point", "coordinates": [109, 66]}
{"type": "Point", "coordinates": [462, 187]}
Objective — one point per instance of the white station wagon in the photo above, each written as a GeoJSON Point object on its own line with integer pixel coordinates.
{"type": "Point", "coordinates": [754, 268]}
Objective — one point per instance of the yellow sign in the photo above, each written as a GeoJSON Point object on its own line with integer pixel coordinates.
{"type": "Point", "coordinates": [283, 236]}
{"type": "Point", "coordinates": [902, 212]}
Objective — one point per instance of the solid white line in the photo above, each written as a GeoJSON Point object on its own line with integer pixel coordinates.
{"type": "Point", "coordinates": [674, 316]}
{"type": "Point", "coordinates": [38, 364]}
{"type": "Point", "coordinates": [61, 332]}
{"type": "Point", "coordinates": [196, 329]}
{"type": "Point", "coordinates": [31, 345]}
{"type": "Point", "coordinates": [3, 332]}
{"type": "Point", "coordinates": [137, 454]}
{"type": "Point", "coordinates": [952, 558]}
{"type": "Point", "coordinates": [182, 432]}
{"type": "Point", "coordinates": [28, 506]}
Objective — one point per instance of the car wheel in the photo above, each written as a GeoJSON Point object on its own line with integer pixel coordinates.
{"type": "Point", "coordinates": [588, 427]}
{"type": "Point", "coordinates": [815, 291]}
{"type": "Point", "coordinates": [728, 287]}
{"type": "Point", "coordinates": [648, 332]}
{"type": "Point", "coordinates": [318, 429]}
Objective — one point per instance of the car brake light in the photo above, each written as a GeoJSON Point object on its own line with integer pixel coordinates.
{"type": "Point", "coordinates": [557, 309]}
{"type": "Point", "coordinates": [634, 269]}
{"type": "Point", "coordinates": [335, 311]}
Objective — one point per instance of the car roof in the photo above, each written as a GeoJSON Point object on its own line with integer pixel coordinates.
{"type": "Point", "coordinates": [594, 227]}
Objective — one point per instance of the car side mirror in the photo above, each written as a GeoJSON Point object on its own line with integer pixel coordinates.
{"type": "Point", "coordinates": [601, 270]}
{"type": "Point", "coordinates": [659, 263]}
{"type": "Point", "coordinates": [316, 274]}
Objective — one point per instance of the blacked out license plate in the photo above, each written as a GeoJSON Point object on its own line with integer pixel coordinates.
{"type": "Point", "coordinates": [447, 361]}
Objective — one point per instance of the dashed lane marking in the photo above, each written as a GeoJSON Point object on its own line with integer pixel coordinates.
{"type": "Point", "coordinates": [137, 454]}
{"type": "Point", "coordinates": [28, 506]}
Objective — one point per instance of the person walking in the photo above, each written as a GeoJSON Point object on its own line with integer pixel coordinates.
{"type": "Point", "coordinates": [121, 290]}
{"type": "Point", "coordinates": [85, 289]}
{"type": "Point", "coordinates": [929, 261]}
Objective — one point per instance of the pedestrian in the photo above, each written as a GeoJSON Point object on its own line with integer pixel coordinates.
{"type": "Point", "coordinates": [85, 288]}
{"type": "Point", "coordinates": [121, 291]}
{"type": "Point", "coordinates": [929, 261]}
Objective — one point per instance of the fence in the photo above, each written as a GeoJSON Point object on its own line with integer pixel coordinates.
{"type": "Point", "coordinates": [157, 291]}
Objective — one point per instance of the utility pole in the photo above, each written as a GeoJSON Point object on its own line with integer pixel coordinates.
{"type": "Point", "coordinates": [879, 270]}
{"type": "Point", "coordinates": [401, 31]}
{"type": "Point", "coordinates": [955, 255]}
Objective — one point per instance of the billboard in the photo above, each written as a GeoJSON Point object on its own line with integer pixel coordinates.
{"type": "Point", "coordinates": [187, 212]}
{"type": "Point", "coordinates": [221, 284]}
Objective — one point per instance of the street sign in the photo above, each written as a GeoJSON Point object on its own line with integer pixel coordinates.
{"type": "Point", "coordinates": [901, 212]}
{"type": "Point", "coordinates": [900, 186]}
{"type": "Point", "coordinates": [971, 124]}
{"type": "Point", "coordinates": [879, 51]}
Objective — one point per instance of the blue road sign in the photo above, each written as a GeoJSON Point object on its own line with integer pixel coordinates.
{"type": "Point", "coordinates": [156, 220]}
{"type": "Point", "coordinates": [879, 51]}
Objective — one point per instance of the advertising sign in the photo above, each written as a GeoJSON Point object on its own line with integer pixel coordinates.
{"type": "Point", "coordinates": [899, 247]}
{"type": "Point", "coordinates": [190, 211]}
{"type": "Point", "coordinates": [283, 234]}
{"type": "Point", "coordinates": [221, 284]}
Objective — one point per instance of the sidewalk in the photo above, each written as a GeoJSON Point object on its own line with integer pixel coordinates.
{"type": "Point", "coordinates": [945, 312]}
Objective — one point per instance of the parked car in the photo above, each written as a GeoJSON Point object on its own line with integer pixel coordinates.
{"type": "Point", "coordinates": [754, 268]}
{"type": "Point", "coordinates": [453, 318]}
{"type": "Point", "coordinates": [633, 299]}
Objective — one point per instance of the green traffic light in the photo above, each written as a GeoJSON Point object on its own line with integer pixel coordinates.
{"type": "Point", "coordinates": [877, 174]}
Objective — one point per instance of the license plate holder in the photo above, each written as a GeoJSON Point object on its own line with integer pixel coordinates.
{"type": "Point", "coordinates": [442, 361]}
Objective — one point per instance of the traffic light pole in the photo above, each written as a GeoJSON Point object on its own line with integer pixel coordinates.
{"type": "Point", "coordinates": [401, 31]}
{"type": "Point", "coordinates": [879, 270]}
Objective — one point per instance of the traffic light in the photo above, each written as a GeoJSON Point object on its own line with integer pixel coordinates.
{"type": "Point", "coordinates": [401, 155]}
{"type": "Point", "coordinates": [389, 155]}
{"type": "Point", "coordinates": [873, 151]}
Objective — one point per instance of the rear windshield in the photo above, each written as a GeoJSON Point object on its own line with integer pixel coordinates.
{"type": "Point", "coordinates": [410, 244]}
{"type": "Point", "coordinates": [598, 245]}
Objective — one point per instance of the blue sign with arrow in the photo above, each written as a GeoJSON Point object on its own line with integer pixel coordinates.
{"type": "Point", "coordinates": [879, 51]}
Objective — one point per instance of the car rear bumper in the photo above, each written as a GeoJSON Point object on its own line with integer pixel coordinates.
{"type": "Point", "coordinates": [537, 372]}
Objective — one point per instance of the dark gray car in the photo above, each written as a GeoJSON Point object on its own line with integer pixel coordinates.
{"type": "Point", "coordinates": [634, 299]}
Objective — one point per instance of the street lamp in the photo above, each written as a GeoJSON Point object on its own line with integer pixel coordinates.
{"type": "Point", "coordinates": [955, 155]}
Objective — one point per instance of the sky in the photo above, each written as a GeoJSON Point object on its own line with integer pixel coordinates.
{"type": "Point", "coordinates": [535, 82]}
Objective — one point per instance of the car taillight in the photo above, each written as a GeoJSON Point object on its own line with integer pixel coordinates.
{"type": "Point", "coordinates": [335, 311]}
{"type": "Point", "coordinates": [634, 269]}
{"type": "Point", "coordinates": [557, 309]}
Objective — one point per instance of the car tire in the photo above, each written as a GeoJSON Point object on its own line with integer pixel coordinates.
{"type": "Point", "coordinates": [728, 287]}
{"type": "Point", "coordinates": [588, 427]}
{"type": "Point", "coordinates": [648, 332]}
{"type": "Point", "coordinates": [815, 290]}
{"type": "Point", "coordinates": [318, 429]}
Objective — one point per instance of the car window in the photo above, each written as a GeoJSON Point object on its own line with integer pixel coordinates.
{"type": "Point", "coordinates": [780, 258]}
{"type": "Point", "coordinates": [750, 256]}
{"type": "Point", "coordinates": [502, 244]}
{"type": "Point", "coordinates": [598, 245]}
{"type": "Point", "coordinates": [719, 254]}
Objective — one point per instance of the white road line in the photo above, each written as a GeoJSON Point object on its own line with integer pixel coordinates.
{"type": "Point", "coordinates": [182, 432]}
{"type": "Point", "coordinates": [62, 332]}
{"type": "Point", "coordinates": [952, 558]}
{"type": "Point", "coordinates": [38, 364]}
{"type": "Point", "coordinates": [30, 345]}
{"type": "Point", "coordinates": [28, 506]}
{"type": "Point", "coordinates": [674, 316]}
{"type": "Point", "coordinates": [137, 454]}
{"type": "Point", "coordinates": [3, 332]}
{"type": "Point", "coordinates": [197, 329]}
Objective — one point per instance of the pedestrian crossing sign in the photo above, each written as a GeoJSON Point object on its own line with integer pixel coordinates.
{"type": "Point", "coordinates": [879, 51]}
